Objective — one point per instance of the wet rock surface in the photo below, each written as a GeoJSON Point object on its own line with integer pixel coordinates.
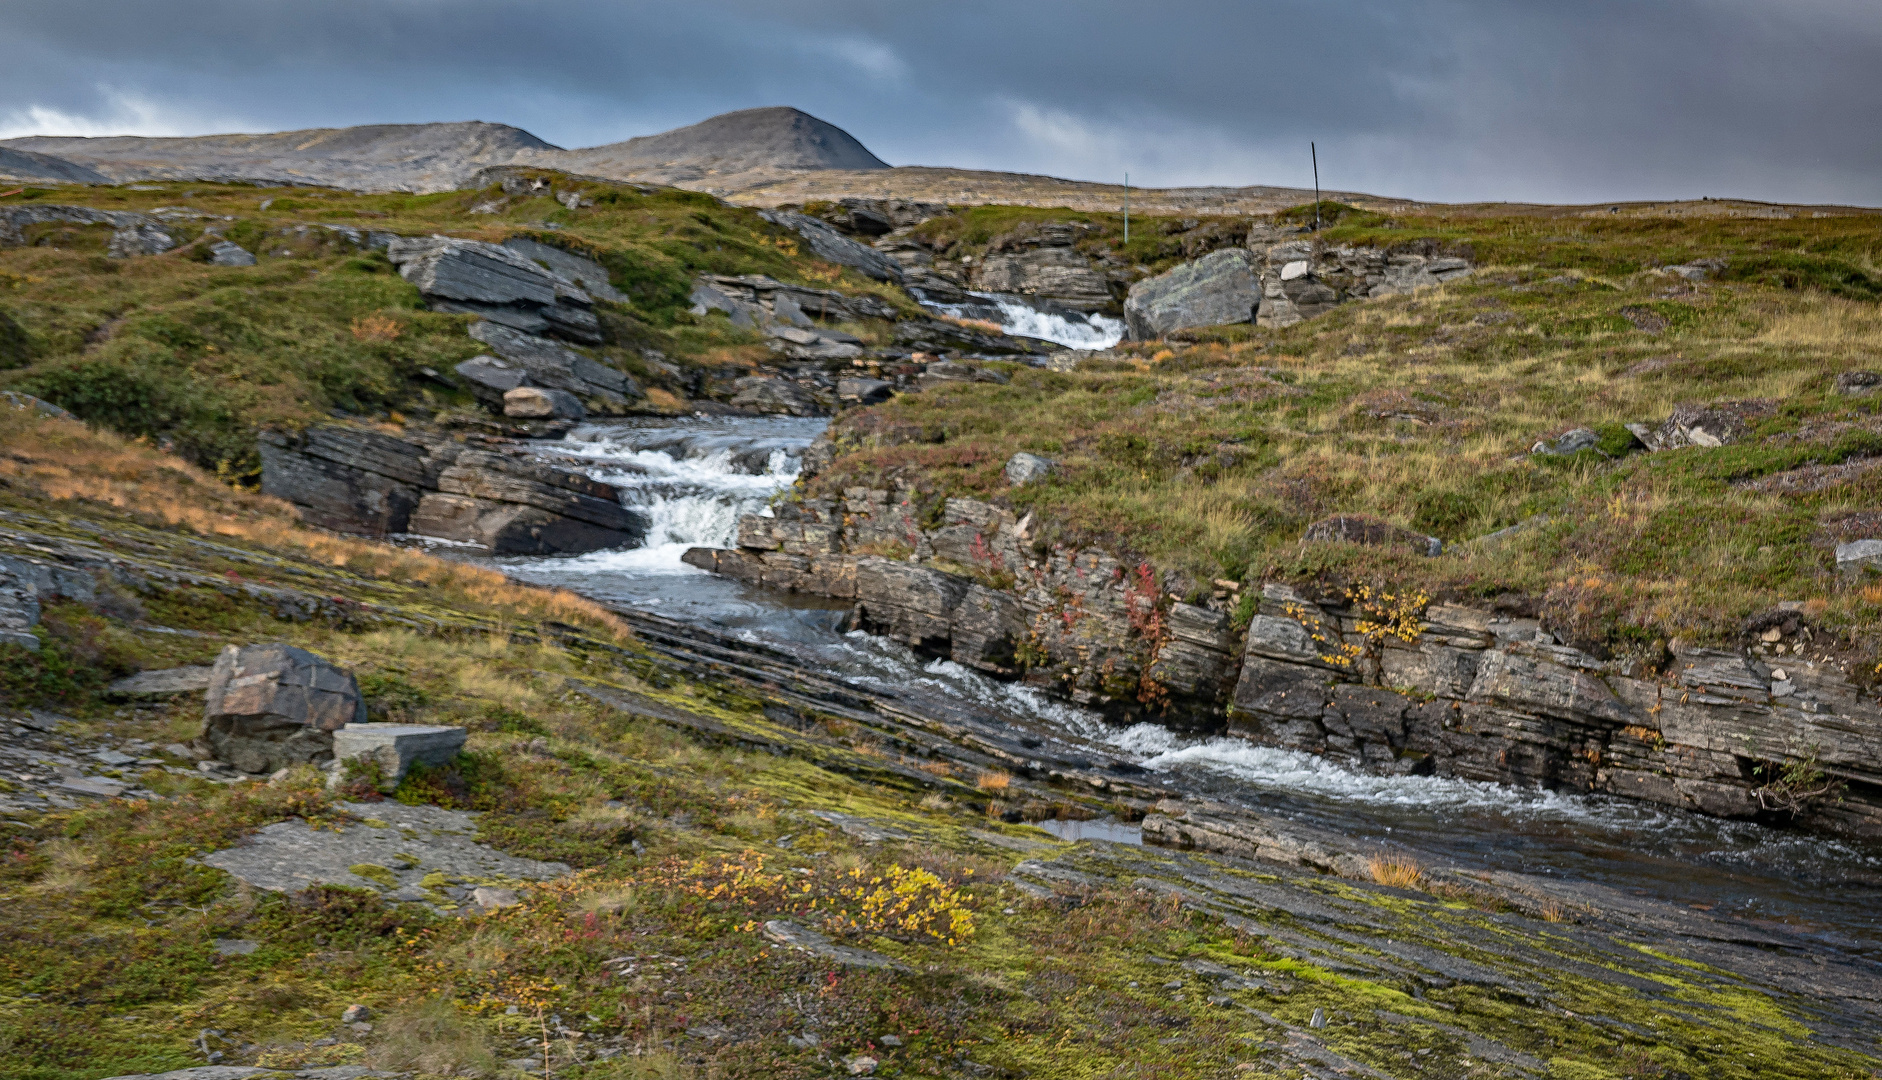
{"type": "Point", "coordinates": [1455, 692]}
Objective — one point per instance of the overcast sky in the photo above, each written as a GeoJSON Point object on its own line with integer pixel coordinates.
{"type": "Point", "coordinates": [1541, 100]}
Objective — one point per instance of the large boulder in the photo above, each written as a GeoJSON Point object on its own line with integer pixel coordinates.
{"type": "Point", "coordinates": [832, 246]}
{"type": "Point", "coordinates": [500, 284]}
{"type": "Point", "coordinates": [1713, 424]}
{"type": "Point", "coordinates": [1218, 288]}
{"type": "Point", "coordinates": [271, 706]}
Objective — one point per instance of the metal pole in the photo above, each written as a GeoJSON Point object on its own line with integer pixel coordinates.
{"type": "Point", "coordinates": [1127, 208]}
{"type": "Point", "coordinates": [1315, 151]}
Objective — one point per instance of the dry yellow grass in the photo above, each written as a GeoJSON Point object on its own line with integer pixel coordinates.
{"type": "Point", "coordinates": [377, 327]}
{"type": "Point", "coordinates": [1397, 870]}
{"type": "Point", "coordinates": [994, 780]}
{"type": "Point", "coordinates": [63, 460]}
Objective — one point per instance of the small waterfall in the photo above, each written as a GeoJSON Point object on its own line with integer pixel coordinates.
{"type": "Point", "coordinates": [1036, 319]}
{"type": "Point", "coordinates": [693, 479]}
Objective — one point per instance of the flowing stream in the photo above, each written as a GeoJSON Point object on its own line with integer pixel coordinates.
{"type": "Point", "coordinates": [1032, 318]}
{"type": "Point", "coordinates": [694, 478]}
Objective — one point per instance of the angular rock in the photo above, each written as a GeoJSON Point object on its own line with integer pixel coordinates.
{"type": "Point", "coordinates": [744, 314]}
{"type": "Point", "coordinates": [555, 367]}
{"type": "Point", "coordinates": [497, 283]}
{"type": "Point", "coordinates": [771, 394]}
{"type": "Point", "coordinates": [134, 234]}
{"type": "Point", "coordinates": [229, 253]}
{"type": "Point", "coordinates": [832, 246]}
{"type": "Point", "coordinates": [538, 403]}
{"type": "Point", "coordinates": [490, 378]}
{"type": "Point", "coordinates": [168, 682]}
{"type": "Point", "coordinates": [1057, 273]}
{"type": "Point", "coordinates": [1857, 556]}
{"type": "Point", "coordinates": [583, 271]}
{"type": "Point", "coordinates": [1859, 383]}
{"type": "Point", "coordinates": [938, 336]}
{"type": "Point", "coordinates": [1218, 288]}
{"type": "Point", "coordinates": [19, 611]}
{"type": "Point", "coordinates": [912, 604]}
{"type": "Point", "coordinates": [395, 748]}
{"type": "Point", "coordinates": [1569, 442]}
{"type": "Point", "coordinates": [271, 706]}
{"type": "Point", "coordinates": [1024, 468]}
{"type": "Point", "coordinates": [985, 630]}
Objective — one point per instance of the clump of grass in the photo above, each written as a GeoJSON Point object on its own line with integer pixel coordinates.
{"type": "Point", "coordinates": [1396, 869]}
{"type": "Point", "coordinates": [993, 780]}
{"type": "Point", "coordinates": [432, 1037]}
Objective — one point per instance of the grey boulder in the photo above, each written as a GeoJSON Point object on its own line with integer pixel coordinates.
{"type": "Point", "coordinates": [1859, 383]}
{"type": "Point", "coordinates": [580, 269]}
{"type": "Point", "coordinates": [1858, 556]}
{"type": "Point", "coordinates": [229, 253]}
{"type": "Point", "coordinates": [1216, 289]}
{"type": "Point", "coordinates": [271, 706]}
{"type": "Point", "coordinates": [1570, 442]}
{"type": "Point", "coordinates": [769, 394]}
{"type": "Point", "coordinates": [1024, 468]}
{"type": "Point", "coordinates": [490, 378]}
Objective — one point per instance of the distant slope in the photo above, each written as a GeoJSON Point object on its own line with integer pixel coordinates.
{"type": "Point", "coordinates": [728, 151]}
{"type": "Point", "coordinates": [26, 165]}
{"type": "Point", "coordinates": [378, 157]}
{"type": "Point", "coordinates": [976, 187]}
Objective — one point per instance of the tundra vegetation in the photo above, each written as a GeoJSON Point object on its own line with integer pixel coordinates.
{"type": "Point", "coordinates": [1205, 456]}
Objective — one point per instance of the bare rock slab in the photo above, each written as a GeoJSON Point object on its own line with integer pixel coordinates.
{"type": "Point", "coordinates": [168, 682]}
{"type": "Point", "coordinates": [804, 939]}
{"type": "Point", "coordinates": [391, 848]}
{"type": "Point", "coordinates": [395, 748]}
{"type": "Point", "coordinates": [271, 706]}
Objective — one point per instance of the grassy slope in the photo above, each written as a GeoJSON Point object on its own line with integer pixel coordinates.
{"type": "Point", "coordinates": [172, 348]}
{"type": "Point", "coordinates": [107, 962]}
{"type": "Point", "coordinates": [1208, 456]}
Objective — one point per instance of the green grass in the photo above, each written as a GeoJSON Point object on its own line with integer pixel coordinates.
{"type": "Point", "coordinates": [199, 357]}
{"type": "Point", "coordinates": [108, 962]}
{"type": "Point", "coordinates": [1209, 456]}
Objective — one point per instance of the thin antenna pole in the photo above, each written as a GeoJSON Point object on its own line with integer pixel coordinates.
{"type": "Point", "coordinates": [1127, 208]}
{"type": "Point", "coordinates": [1315, 151]}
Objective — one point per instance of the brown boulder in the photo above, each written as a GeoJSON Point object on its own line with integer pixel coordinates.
{"type": "Point", "coordinates": [271, 706]}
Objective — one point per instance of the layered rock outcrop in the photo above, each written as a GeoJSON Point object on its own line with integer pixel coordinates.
{"type": "Point", "coordinates": [132, 234]}
{"type": "Point", "coordinates": [1284, 275]}
{"type": "Point", "coordinates": [497, 283]}
{"type": "Point", "coordinates": [1445, 689]}
{"type": "Point", "coordinates": [504, 503]}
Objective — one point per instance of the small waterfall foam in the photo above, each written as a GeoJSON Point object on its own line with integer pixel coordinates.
{"type": "Point", "coordinates": [1063, 326]}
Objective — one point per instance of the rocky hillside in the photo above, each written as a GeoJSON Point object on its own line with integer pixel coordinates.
{"type": "Point", "coordinates": [728, 152]}
{"type": "Point", "coordinates": [1587, 503]}
{"type": "Point", "coordinates": [283, 803]}
{"type": "Point", "coordinates": [376, 157]}
{"type": "Point", "coordinates": [44, 168]}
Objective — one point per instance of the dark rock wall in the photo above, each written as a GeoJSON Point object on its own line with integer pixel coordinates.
{"type": "Point", "coordinates": [1464, 693]}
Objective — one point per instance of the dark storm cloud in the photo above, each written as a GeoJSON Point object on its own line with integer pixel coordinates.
{"type": "Point", "coordinates": [1442, 99]}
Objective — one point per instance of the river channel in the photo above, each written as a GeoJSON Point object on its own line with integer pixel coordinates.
{"type": "Point", "coordinates": [693, 478]}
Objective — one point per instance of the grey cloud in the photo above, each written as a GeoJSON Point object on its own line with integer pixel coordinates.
{"type": "Point", "coordinates": [1443, 99]}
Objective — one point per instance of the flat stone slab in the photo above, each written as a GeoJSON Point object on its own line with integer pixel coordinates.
{"type": "Point", "coordinates": [397, 747]}
{"type": "Point", "coordinates": [794, 936]}
{"type": "Point", "coordinates": [165, 683]}
{"type": "Point", "coordinates": [391, 848]}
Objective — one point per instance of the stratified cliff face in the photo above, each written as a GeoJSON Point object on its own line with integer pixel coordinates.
{"type": "Point", "coordinates": [1444, 689]}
